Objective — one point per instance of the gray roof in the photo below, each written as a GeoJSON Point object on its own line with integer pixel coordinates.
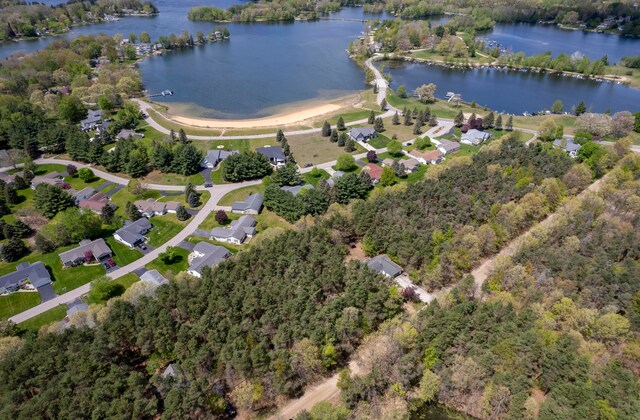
{"type": "Point", "coordinates": [154, 277]}
{"type": "Point", "coordinates": [295, 190]}
{"type": "Point", "coordinates": [475, 136]}
{"type": "Point", "coordinates": [93, 117]}
{"type": "Point", "coordinates": [252, 202]}
{"type": "Point", "coordinates": [449, 146]}
{"type": "Point", "coordinates": [125, 134]}
{"type": "Point", "coordinates": [337, 174]}
{"type": "Point", "coordinates": [76, 306]}
{"type": "Point", "coordinates": [133, 232]}
{"type": "Point", "coordinates": [566, 144]}
{"type": "Point", "coordinates": [212, 255]}
{"type": "Point", "coordinates": [239, 229]}
{"type": "Point", "coordinates": [410, 164]}
{"type": "Point", "coordinates": [36, 273]}
{"type": "Point", "coordinates": [171, 371]}
{"type": "Point", "coordinates": [272, 152]}
{"type": "Point", "coordinates": [383, 265]}
{"type": "Point", "coordinates": [215, 156]}
{"type": "Point", "coordinates": [362, 131]}
{"type": "Point", "coordinates": [98, 249]}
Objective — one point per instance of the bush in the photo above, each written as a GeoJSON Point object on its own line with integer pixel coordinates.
{"type": "Point", "coordinates": [103, 289]}
{"type": "Point", "coordinates": [221, 217]}
{"type": "Point", "coordinates": [346, 163]}
{"type": "Point", "coordinates": [86, 174]}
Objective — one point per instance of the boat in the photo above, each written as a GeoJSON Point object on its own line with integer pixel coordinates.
{"type": "Point", "coordinates": [167, 92]}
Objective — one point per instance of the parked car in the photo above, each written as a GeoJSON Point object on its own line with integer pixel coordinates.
{"type": "Point", "coordinates": [308, 165]}
{"type": "Point", "coordinates": [112, 263]}
{"type": "Point", "coordinates": [208, 185]}
{"type": "Point", "coordinates": [106, 265]}
{"type": "Point", "coordinates": [143, 247]}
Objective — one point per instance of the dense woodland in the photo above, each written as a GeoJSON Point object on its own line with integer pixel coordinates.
{"type": "Point", "coordinates": [554, 337]}
{"type": "Point", "coordinates": [260, 325]}
{"type": "Point", "coordinates": [30, 19]}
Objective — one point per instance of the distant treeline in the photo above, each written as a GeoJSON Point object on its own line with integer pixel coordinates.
{"type": "Point", "coordinates": [279, 10]}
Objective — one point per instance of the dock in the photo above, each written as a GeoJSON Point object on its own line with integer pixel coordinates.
{"type": "Point", "coordinates": [163, 93]}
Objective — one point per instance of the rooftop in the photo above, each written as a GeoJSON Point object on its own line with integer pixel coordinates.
{"type": "Point", "coordinates": [252, 202]}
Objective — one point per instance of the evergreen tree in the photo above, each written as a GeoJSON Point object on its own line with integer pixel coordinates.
{"type": "Point", "coordinates": [95, 152]}
{"type": "Point", "coordinates": [426, 115]}
{"type": "Point", "coordinates": [13, 250]}
{"type": "Point", "coordinates": [420, 117]}
{"type": "Point", "coordinates": [498, 123]}
{"type": "Point", "coordinates": [4, 209]}
{"type": "Point", "coordinates": [414, 113]}
{"type": "Point", "coordinates": [326, 129]}
{"type": "Point", "coordinates": [509, 126]}
{"type": "Point", "coordinates": [342, 140]}
{"type": "Point", "coordinates": [472, 119]}
{"type": "Point", "coordinates": [396, 119]}
{"type": "Point", "coordinates": [416, 127]}
{"type": "Point", "coordinates": [489, 120]}
{"type": "Point", "coordinates": [350, 145]}
{"type": "Point", "coordinates": [10, 194]}
{"type": "Point", "coordinates": [378, 125]}
{"type": "Point", "coordinates": [372, 118]}
{"type": "Point", "coordinates": [182, 136]}
{"type": "Point", "coordinates": [194, 200]}
{"type": "Point", "coordinates": [182, 214]}
{"type": "Point", "coordinates": [334, 136]}
{"type": "Point", "coordinates": [172, 134]}
{"type": "Point", "coordinates": [581, 108]}
{"type": "Point", "coordinates": [132, 212]}
{"type": "Point", "coordinates": [137, 165]}
{"type": "Point", "coordinates": [383, 104]}
{"type": "Point", "coordinates": [286, 175]}
{"type": "Point", "coordinates": [107, 214]}
{"type": "Point", "coordinates": [50, 200]}
{"type": "Point", "coordinates": [340, 126]}
{"type": "Point", "coordinates": [187, 159]}
{"type": "Point", "coordinates": [433, 121]}
{"type": "Point", "coordinates": [279, 136]}
{"type": "Point", "coordinates": [407, 119]}
{"type": "Point", "coordinates": [404, 111]}
{"type": "Point", "coordinates": [188, 189]}
{"type": "Point", "coordinates": [458, 121]}
{"type": "Point", "coordinates": [19, 183]}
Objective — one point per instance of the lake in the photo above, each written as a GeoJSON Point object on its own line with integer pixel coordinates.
{"type": "Point", "coordinates": [514, 92]}
{"type": "Point", "coordinates": [268, 67]}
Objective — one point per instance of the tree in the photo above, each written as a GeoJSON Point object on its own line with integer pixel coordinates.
{"type": "Point", "coordinates": [557, 107]}
{"type": "Point", "coordinates": [71, 109]}
{"type": "Point", "coordinates": [372, 156]}
{"type": "Point", "coordinates": [107, 213]}
{"type": "Point", "coordinates": [13, 250]}
{"type": "Point", "coordinates": [499, 122]}
{"type": "Point", "coordinates": [345, 163]}
{"type": "Point", "coordinates": [43, 244]}
{"type": "Point", "coordinates": [340, 125]}
{"type": "Point", "coordinates": [596, 124]}
{"type": "Point", "coordinates": [429, 386]}
{"type": "Point", "coordinates": [489, 120]}
{"type": "Point", "coordinates": [132, 212]}
{"type": "Point", "coordinates": [408, 120]}
{"type": "Point", "coordinates": [426, 93]}
{"type": "Point", "coordinates": [86, 175]}
{"type": "Point", "coordinates": [169, 256]}
{"type": "Point", "coordinates": [372, 118]}
{"type": "Point", "coordinates": [137, 164]}
{"type": "Point", "coordinates": [458, 121]}
{"type": "Point", "coordinates": [342, 140]}
{"type": "Point", "coordinates": [636, 124]}
{"type": "Point", "coordinates": [286, 175]}
{"type": "Point", "coordinates": [350, 146]}
{"type": "Point", "coordinates": [378, 125]}
{"type": "Point", "coordinates": [402, 91]}
{"type": "Point", "coordinates": [433, 121]}
{"type": "Point", "coordinates": [394, 147]}
{"type": "Point", "coordinates": [509, 125]}
{"type": "Point", "coordinates": [422, 143]}
{"type": "Point", "coordinates": [334, 136]}
{"type": "Point", "coordinates": [19, 183]}
{"type": "Point", "coordinates": [244, 166]}
{"type": "Point", "coordinates": [145, 38]}
{"type": "Point", "coordinates": [622, 123]}
{"type": "Point", "coordinates": [383, 104]}
{"type": "Point", "coordinates": [182, 136]}
{"type": "Point", "coordinates": [221, 217]}
{"type": "Point", "coordinates": [50, 200]}
{"type": "Point", "coordinates": [329, 356]}
{"type": "Point", "coordinates": [388, 176]}
{"type": "Point", "coordinates": [4, 209]}
{"type": "Point", "coordinates": [10, 193]}
{"type": "Point", "coordinates": [548, 130]}
{"type": "Point", "coordinates": [399, 169]}
{"type": "Point", "coordinates": [280, 137]}
{"type": "Point", "coordinates": [396, 119]}
{"type": "Point", "coordinates": [417, 127]}
{"type": "Point", "coordinates": [187, 159]}
{"type": "Point", "coordinates": [182, 214]}
{"type": "Point", "coordinates": [103, 289]}
{"type": "Point", "coordinates": [581, 108]}
{"type": "Point", "coordinates": [72, 169]}
{"type": "Point", "coordinates": [194, 200]}
{"type": "Point", "coordinates": [326, 129]}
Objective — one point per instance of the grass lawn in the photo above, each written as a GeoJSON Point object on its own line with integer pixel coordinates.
{"type": "Point", "coordinates": [48, 317]}
{"type": "Point", "coordinates": [181, 263]}
{"type": "Point", "coordinates": [16, 302]}
{"type": "Point", "coordinates": [121, 197]}
{"type": "Point", "coordinates": [170, 125]}
{"type": "Point", "coordinates": [123, 255]}
{"type": "Point", "coordinates": [313, 180]}
{"type": "Point", "coordinates": [108, 188]}
{"type": "Point", "coordinates": [240, 194]}
{"type": "Point", "coordinates": [46, 168]}
{"type": "Point", "coordinates": [164, 228]}
{"type": "Point", "coordinates": [268, 219]}
{"type": "Point", "coordinates": [380, 141]}
{"type": "Point", "coordinates": [26, 200]}
{"type": "Point", "coordinates": [385, 155]}
{"type": "Point", "coordinates": [349, 115]}
{"type": "Point", "coordinates": [127, 280]}
{"type": "Point", "coordinates": [417, 175]}
{"type": "Point", "coordinates": [157, 177]}
{"type": "Point", "coordinates": [315, 149]}
{"type": "Point", "coordinates": [78, 184]}
{"type": "Point", "coordinates": [210, 222]}
{"type": "Point", "coordinates": [204, 197]}
{"type": "Point", "coordinates": [216, 177]}
{"type": "Point", "coordinates": [243, 145]}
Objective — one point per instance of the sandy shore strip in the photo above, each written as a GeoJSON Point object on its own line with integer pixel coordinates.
{"type": "Point", "coordinates": [273, 121]}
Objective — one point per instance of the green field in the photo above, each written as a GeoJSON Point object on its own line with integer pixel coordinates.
{"type": "Point", "coordinates": [164, 228]}
{"type": "Point", "coordinates": [48, 317]}
{"type": "Point", "coordinates": [17, 302]}
{"type": "Point", "coordinates": [315, 149]}
{"type": "Point", "coordinates": [181, 263]}
{"type": "Point", "coordinates": [123, 255]}
{"type": "Point", "coordinates": [240, 194]}
{"type": "Point", "coordinates": [380, 141]}
{"type": "Point", "coordinates": [313, 180]}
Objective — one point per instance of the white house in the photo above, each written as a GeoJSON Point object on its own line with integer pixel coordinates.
{"type": "Point", "coordinates": [237, 233]}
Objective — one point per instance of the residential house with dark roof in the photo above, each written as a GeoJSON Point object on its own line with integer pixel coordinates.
{"type": "Point", "coordinates": [274, 153]}
{"type": "Point", "coordinates": [237, 232]}
{"type": "Point", "coordinates": [214, 157]}
{"type": "Point", "coordinates": [87, 250]}
{"type": "Point", "coordinates": [205, 254]}
{"type": "Point", "coordinates": [474, 137]}
{"type": "Point", "coordinates": [382, 264]}
{"type": "Point", "coordinates": [568, 146]}
{"type": "Point", "coordinates": [35, 274]}
{"type": "Point", "coordinates": [362, 133]}
{"type": "Point", "coordinates": [447, 146]}
{"type": "Point", "coordinates": [132, 233]}
{"type": "Point", "coordinates": [125, 134]}
{"type": "Point", "coordinates": [92, 120]}
{"type": "Point", "coordinates": [251, 205]}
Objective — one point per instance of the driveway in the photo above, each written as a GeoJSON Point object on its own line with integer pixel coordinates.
{"type": "Point", "coordinates": [149, 249]}
{"type": "Point", "coordinates": [187, 246]}
{"type": "Point", "coordinates": [103, 185]}
{"type": "Point", "coordinates": [140, 271]}
{"type": "Point", "coordinates": [202, 232]}
{"type": "Point", "coordinates": [206, 173]}
{"type": "Point", "coordinates": [404, 282]}
{"type": "Point", "coordinates": [115, 190]}
{"type": "Point", "coordinates": [46, 292]}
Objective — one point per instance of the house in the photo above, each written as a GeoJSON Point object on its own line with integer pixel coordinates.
{"type": "Point", "coordinates": [151, 207]}
{"type": "Point", "coordinates": [92, 120]}
{"type": "Point", "coordinates": [239, 230]}
{"type": "Point", "coordinates": [125, 134]}
{"type": "Point", "coordinates": [172, 371]}
{"type": "Point", "coordinates": [96, 203]}
{"type": "Point", "coordinates": [52, 178]}
{"type": "Point", "coordinates": [251, 205]}
{"type": "Point", "coordinates": [172, 207]}
{"type": "Point", "coordinates": [336, 175]}
{"type": "Point", "coordinates": [83, 194]}
{"type": "Point", "coordinates": [36, 274]}
{"type": "Point", "coordinates": [383, 265]}
{"type": "Point", "coordinates": [430, 156]}
{"type": "Point", "coordinates": [374, 171]}
{"type": "Point", "coordinates": [568, 146]}
{"type": "Point", "coordinates": [296, 189]}
{"type": "Point", "coordinates": [375, 47]}
{"type": "Point", "coordinates": [206, 255]}
{"type": "Point", "coordinates": [87, 250]}
{"type": "Point", "coordinates": [103, 127]}
{"type": "Point", "coordinates": [154, 277]}
{"type": "Point", "coordinates": [274, 153]}
{"type": "Point", "coordinates": [362, 133]}
{"type": "Point", "coordinates": [132, 233]}
{"type": "Point", "coordinates": [411, 165]}
{"type": "Point", "coordinates": [447, 146]}
{"type": "Point", "coordinates": [388, 162]}
{"type": "Point", "coordinates": [214, 157]}
{"type": "Point", "coordinates": [474, 137]}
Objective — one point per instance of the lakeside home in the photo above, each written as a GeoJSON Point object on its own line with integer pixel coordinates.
{"type": "Point", "coordinates": [274, 153]}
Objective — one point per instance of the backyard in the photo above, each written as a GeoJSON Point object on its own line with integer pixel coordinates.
{"type": "Point", "coordinates": [164, 228]}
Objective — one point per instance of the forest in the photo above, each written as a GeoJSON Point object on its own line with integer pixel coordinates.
{"type": "Point", "coordinates": [554, 335]}
{"type": "Point", "coordinates": [21, 19]}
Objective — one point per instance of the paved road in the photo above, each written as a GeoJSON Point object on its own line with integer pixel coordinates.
{"type": "Point", "coordinates": [217, 192]}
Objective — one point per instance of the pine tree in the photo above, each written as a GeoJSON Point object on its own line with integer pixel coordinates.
{"type": "Point", "coordinates": [342, 140]}
{"type": "Point", "coordinates": [471, 119]}
{"type": "Point", "coordinates": [420, 117]}
{"type": "Point", "coordinates": [193, 200]}
{"type": "Point", "coordinates": [433, 121]}
{"type": "Point", "coordinates": [372, 118]}
{"type": "Point", "coordinates": [182, 214]}
{"type": "Point", "coordinates": [10, 194]}
{"type": "Point", "coordinates": [326, 129]}
{"type": "Point", "coordinates": [334, 136]}
{"type": "Point", "coordinates": [499, 122]}
{"type": "Point", "coordinates": [416, 128]}
{"type": "Point", "coordinates": [350, 146]}
{"type": "Point", "coordinates": [458, 121]}
{"type": "Point", "coordinates": [340, 125]}
{"type": "Point", "coordinates": [188, 189]}
{"type": "Point", "coordinates": [581, 108]}
{"type": "Point", "coordinates": [414, 113]}
{"type": "Point", "coordinates": [509, 126]}
{"type": "Point", "coordinates": [383, 104]}
{"type": "Point", "coordinates": [489, 120]}
{"type": "Point", "coordinates": [132, 212]}
{"type": "Point", "coordinates": [396, 119]}
{"type": "Point", "coordinates": [279, 136]}
{"type": "Point", "coordinates": [4, 209]}
{"type": "Point", "coordinates": [404, 111]}
{"type": "Point", "coordinates": [378, 125]}
{"type": "Point", "coordinates": [107, 214]}
{"type": "Point", "coordinates": [427, 115]}
{"type": "Point", "coordinates": [172, 134]}
{"type": "Point", "coordinates": [407, 119]}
